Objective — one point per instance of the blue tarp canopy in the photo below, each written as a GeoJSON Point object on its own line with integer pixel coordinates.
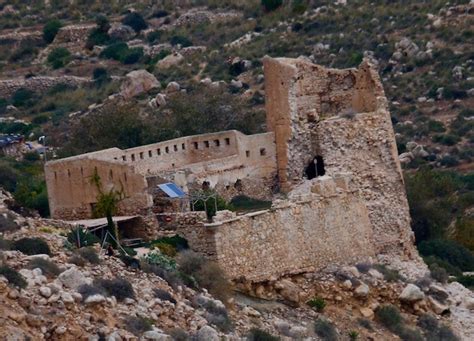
{"type": "Point", "coordinates": [172, 190]}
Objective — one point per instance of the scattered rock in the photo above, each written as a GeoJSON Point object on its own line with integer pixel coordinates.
{"type": "Point", "coordinates": [94, 299]}
{"type": "Point", "coordinates": [362, 290]}
{"type": "Point", "coordinates": [438, 307]}
{"type": "Point", "coordinates": [138, 82]}
{"type": "Point", "coordinates": [73, 278]}
{"type": "Point", "coordinates": [172, 87]}
{"type": "Point", "coordinates": [154, 335]}
{"type": "Point", "coordinates": [367, 312]}
{"type": "Point", "coordinates": [207, 333]}
{"type": "Point", "coordinates": [45, 292]}
{"type": "Point", "coordinates": [121, 32]}
{"type": "Point", "coordinates": [170, 60]}
{"type": "Point", "coordinates": [411, 293]}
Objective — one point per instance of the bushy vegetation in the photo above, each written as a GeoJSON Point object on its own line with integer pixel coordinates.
{"type": "Point", "coordinates": [48, 268]}
{"type": "Point", "coordinates": [135, 21]}
{"type": "Point", "coordinates": [31, 246]}
{"type": "Point", "coordinates": [448, 251]}
{"type": "Point", "coordinates": [325, 330]}
{"type": "Point", "coordinates": [389, 275]}
{"type": "Point", "coordinates": [137, 325]}
{"type": "Point", "coordinates": [80, 237]}
{"type": "Point", "coordinates": [434, 330]}
{"type": "Point", "coordinates": [59, 57]}
{"type": "Point", "coordinates": [206, 274]}
{"type": "Point", "coordinates": [118, 287]}
{"type": "Point", "coordinates": [256, 334]}
{"type": "Point", "coordinates": [163, 295]}
{"type": "Point", "coordinates": [13, 276]}
{"type": "Point", "coordinates": [317, 303]}
{"type": "Point", "coordinates": [50, 30]}
{"type": "Point", "coordinates": [389, 316]}
{"type": "Point", "coordinates": [89, 254]}
{"type": "Point", "coordinates": [121, 52]}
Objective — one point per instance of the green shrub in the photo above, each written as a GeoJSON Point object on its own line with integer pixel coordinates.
{"type": "Point", "coordinates": [77, 260]}
{"type": "Point", "coordinates": [31, 193]}
{"type": "Point", "coordinates": [218, 316]}
{"type": "Point", "coordinates": [446, 139]}
{"type": "Point", "coordinates": [132, 56]}
{"type": "Point", "coordinates": [48, 268]}
{"type": "Point", "coordinates": [243, 202]}
{"type": "Point", "coordinates": [137, 325]}
{"type": "Point", "coordinates": [23, 97]}
{"type": "Point", "coordinates": [180, 40]}
{"type": "Point", "coordinates": [178, 334]}
{"type": "Point", "coordinates": [389, 316]}
{"type": "Point", "coordinates": [389, 275]}
{"type": "Point", "coordinates": [89, 254]}
{"type": "Point", "coordinates": [135, 21]}
{"type": "Point", "coordinates": [87, 290]}
{"type": "Point", "coordinates": [325, 330]}
{"type": "Point", "coordinates": [8, 176]}
{"type": "Point", "coordinates": [353, 335]}
{"type": "Point", "coordinates": [256, 334]}
{"type": "Point", "coordinates": [13, 276]}
{"type": "Point", "coordinates": [118, 287]}
{"type": "Point", "coordinates": [365, 323]}
{"type": "Point", "coordinates": [100, 75]}
{"type": "Point", "coordinates": [206, 273]}
{"type": "Point", "coordinates": [317, 303]}
{"type": "Point", "coordinates": [178, 242]}
{"type": "Point", "coordinates": [80, 237]}
{"type": "Point", "coordinates": [99, 35]}
{"type": "Point", "coordinates": [409, 334]}
{"type": "Point", "coordinates": [166, 249]}
{"type": "Point", "coordinates": [163, 261]}
{"type": "Point", "coordinates": [31, 246]}
{"type": "Point", "coordinates": [449, 251]}
{"type": "Point", "coordinates": [5, 244]}
{"type": "Point", "coordinates": [59, 57]}
{"type": "Point", "coordinates": [438, 273]}
{"type": "Point", "coordinates": [271, 5]}
{"type": "Point", "coordinates": [467, 281]}
{"type": "Point", "coordinates": [114, 51]}
{"type": "Point", "coordinates": [163, 295]}
{"type": "Point", "coordinates": [50, 30]}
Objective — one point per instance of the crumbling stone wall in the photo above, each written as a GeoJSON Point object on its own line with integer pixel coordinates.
{"type": "Point", "coordinates": [341, 116]}
{"type": "Point", "coordinates": [38, 84]}
{"type": "Point", "coordinates": [325, 223]}
{"type": "Point", "coordinates": [72, 196]}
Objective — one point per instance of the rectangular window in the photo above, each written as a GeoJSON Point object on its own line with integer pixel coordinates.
{"type": "Point", "coordinates": [124, 158]}
{"type": "Point", "coordinates": [217, 143]}
{"type": "Point", "coordinates": [263, 151]}
{"type": "Point", "coordinates": [167, 150]}
{"type": "Point", "coordinates": [227, 141]}
{"type": "Point", "coordinates": [158, 151]}
{"type": "Point", "coordinates": [247, 153]}
{"type": "Point", "coordinates": [150, 154]}
{"type": "Point", "coordinates": [141, 155]}
{"type": "Point", "coordinates": [183, 147]}
{"type": "Point", "coordinates": [133, 157]}
{"type": "Point", "coordinates": [196, 145]}
{"type": "Point", "coordinates": [206, 143]}
{"type": "Point", "coordinates": [175, 147]}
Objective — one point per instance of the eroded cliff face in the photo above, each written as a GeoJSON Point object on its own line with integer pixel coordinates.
{"type": "Point", "coordinates": [339, 120]}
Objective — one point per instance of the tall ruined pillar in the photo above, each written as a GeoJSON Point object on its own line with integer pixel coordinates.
{"type": "Point", "coordinates": [342, 117]}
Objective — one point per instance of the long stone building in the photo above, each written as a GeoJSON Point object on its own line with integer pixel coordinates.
{"type": "Point", "coordinates": [330, 150]}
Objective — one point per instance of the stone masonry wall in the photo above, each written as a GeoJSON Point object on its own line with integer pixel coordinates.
{"type": "Point", "coordinates": [326, 224]}
{"type": "Point", "coordinates": [38, 84]}
{"type": "Point", "coordinates": [341, 116]}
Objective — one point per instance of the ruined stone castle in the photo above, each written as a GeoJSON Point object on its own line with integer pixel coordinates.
{"type": "Point", "coordinates": [329, 156]}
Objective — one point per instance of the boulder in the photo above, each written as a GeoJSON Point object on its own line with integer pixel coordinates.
{"type": "Point", "coordinates": [207, 333]}
{"type": "Point", "coordinates": [138, 82]}
{"type": "Point", "coordinates": [73, 278]}
{"type": "Point", "coordinates": [411, 293]}
{"type": "Point", "coordinates": [94, 299]}
{"type": "Point", "coordinates": [438, 307]}
{"type": "Point", "coordinates": [170, 60]}
{"type": "Point", "coordinates": [160, 100]}
{"type": "Point", "coordinates": [288, 290]}
{"type": "Point", "coordinates": [362, 290]}
{"type": "Point", "coordinates": [375, 274]}
{"type": "Point", "coordinates": [367, 312]}
{"type": "Point", "coordinates": [46, 292]}
{"type": "Point", "coordinates": [155, 335]}
{"type": "Point", "coordinates": [172, 87]}
{"type": "Point", "coordinates": [121, 32]}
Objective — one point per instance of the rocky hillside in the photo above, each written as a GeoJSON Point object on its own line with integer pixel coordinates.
{"type": "Point", "coordinates": [50, 289]}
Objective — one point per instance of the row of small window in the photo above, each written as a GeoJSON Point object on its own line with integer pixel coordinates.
{"type": "Point", "coordinates": [207, 144]}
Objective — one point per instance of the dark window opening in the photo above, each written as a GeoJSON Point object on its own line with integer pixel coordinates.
{"type": "Point", "coordinates": [227, 141]}
{"type": "Point", "coordinates": [175, 147]}
{"type": "Point", "coordinates": [183, 147]}
{"type": "Point", "coordinates": [68, 173]}
{"type": "Point", "coordinates": [196, 145]}
{"type": "Point", "coordinates": [263, 151]}
{"type": "Point", "coordinates": [206, 185]}
{"type": "Point", "coordinates": [247, 153]}
{"type": "Point", "coordinates": [141, 155]}
{"type": "Point", "coordinates": [150, 154]}
{"type": "Point", "coordinates": [167, 150]}
{"type": "Point", "coordinates": [315, 168]}
{"type": "Point", "coordinates": [133, 157]}
{"type": "Point", "coordinates": [238, 185]}
{"type": "Point", "coordinates": [124, 158]}
{"type": "Point", "coordinates": [111, 174]}
{"type": "Point", "coordinates": [158, 151]}
{"type": "Point", "coordinates": [206, 143]}
{"type": "Point", "coordinates": [217, 143]}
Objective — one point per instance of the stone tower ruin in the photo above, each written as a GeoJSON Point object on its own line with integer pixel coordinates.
{"type": "Point", "coordinates": [329, 121]}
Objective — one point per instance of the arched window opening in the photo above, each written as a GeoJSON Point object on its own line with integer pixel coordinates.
{"type": "Point", "coordinates": [315, 168]}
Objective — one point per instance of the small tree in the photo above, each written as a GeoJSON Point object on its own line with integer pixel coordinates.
{"type": "Point", "coordinates": [135, 21]}
{"type": "Point", "coordinates": [50, 30]}
{"type": "Point", "coordinates": [271, 5]}
{"type": "Point", "coordinates": [59, 57]}
{"type": "Point", "coordinates": [107, 204]}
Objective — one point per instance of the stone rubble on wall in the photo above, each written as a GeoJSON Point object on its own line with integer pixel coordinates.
{"type": "Point", "coordinates": [38, 84]}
